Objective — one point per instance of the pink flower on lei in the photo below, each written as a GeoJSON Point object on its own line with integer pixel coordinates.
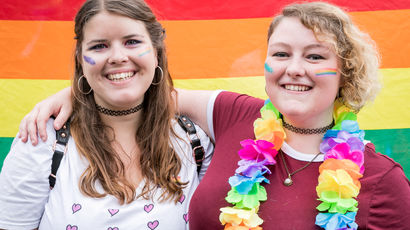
{"type": "Point", "coordinates": [342, 151]}
{"type": "Point", "coordinates": [258, 150]}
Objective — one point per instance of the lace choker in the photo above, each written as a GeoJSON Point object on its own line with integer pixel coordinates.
{"type": "Point", "coordinates": [110, 112]}
{"type": "Point", "coordinates": [306, 130]}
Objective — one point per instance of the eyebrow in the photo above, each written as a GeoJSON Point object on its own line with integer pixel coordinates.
{"type": "Point", "coordinates": [105, 40]}
{"type": "Point", "coordinates": [315, 46]}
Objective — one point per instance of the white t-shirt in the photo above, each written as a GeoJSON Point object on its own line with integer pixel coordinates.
{"type": "Point", "coordinates": [26, 200]}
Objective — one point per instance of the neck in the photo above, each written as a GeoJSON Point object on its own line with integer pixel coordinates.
{"type": "Point", "coordinates": [306, 143]}
{"type": "Point", "coordinates": [124, 127]}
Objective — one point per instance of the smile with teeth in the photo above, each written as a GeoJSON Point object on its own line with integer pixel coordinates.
{"type": "Point", "coordinates": [120, 76]}
{"type": "Point", "coordinates": [297, 87]}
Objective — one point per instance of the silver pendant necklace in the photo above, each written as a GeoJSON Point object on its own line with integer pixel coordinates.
{"type": "Point", "coordinates": [288, 181]}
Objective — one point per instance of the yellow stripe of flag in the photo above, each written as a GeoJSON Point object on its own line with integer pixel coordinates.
{"type": "Point", "coordinates": [389, 111]}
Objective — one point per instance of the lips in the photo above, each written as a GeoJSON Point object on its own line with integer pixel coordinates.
{"type": "Point", "coordinates": [120, 76]}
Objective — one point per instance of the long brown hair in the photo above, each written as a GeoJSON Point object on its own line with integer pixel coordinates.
{"type": "Point", "coordinates": [159, 162]}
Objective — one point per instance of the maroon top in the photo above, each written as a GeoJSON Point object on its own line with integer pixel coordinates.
{"type": "Point", "coordinates": [384, 199]}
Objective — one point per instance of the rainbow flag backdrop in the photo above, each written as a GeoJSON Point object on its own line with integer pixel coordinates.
{"type": "Point", "coordinates": [211, 45]}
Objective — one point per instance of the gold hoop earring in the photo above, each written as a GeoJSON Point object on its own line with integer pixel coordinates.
{"type": "Point", "coordinates": [79, 87]}
{"type": "Point", "coordinates": [162, 76]}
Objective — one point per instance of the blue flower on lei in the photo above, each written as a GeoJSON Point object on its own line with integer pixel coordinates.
{"type": "Point", "coordinates": [336, 221]}
{"type": "Point", "coordinates": [244, 184]}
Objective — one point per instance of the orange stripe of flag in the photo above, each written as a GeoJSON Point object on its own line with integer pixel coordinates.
{"type": "Point", "coordinates": [196, 49]}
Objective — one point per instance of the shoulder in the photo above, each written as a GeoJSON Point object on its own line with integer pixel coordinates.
{"type": "Point", "coordinates": [380, 168]}
{"type": "Point", "coordinates": [232, 99]}
{"type": "Point", "coordinates": [19, 147]}
{"type": "Point", "coordinates": [233, 107]}
{"type": "Point", "coordinates": [182, 140]}
{"type": "Point", "coordinates": [377, 163]}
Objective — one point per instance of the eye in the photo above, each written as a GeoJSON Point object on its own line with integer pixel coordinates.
{"type": "Point", "coordinates": [98, 47]}
{"type": "Point", "coordinates": [315, 57]}
{"type": "Point", "coordinates": [132, 42]}
{"type": "Point", "coordinates": [280, 54]}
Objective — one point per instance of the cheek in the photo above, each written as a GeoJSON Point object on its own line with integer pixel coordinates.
{"type": "Point", "coordinates": [144, 52]}
{"type": "Point", "coordinates": [92, 60]}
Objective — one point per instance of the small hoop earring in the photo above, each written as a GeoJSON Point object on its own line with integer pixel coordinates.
{"type": "Point", "coordinates": [79, 87]}
{"type": "Point", "coordinates": [162, 76]}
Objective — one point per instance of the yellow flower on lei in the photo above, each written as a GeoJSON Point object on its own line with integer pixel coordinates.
{"type": "Point", "coordinates": [269, 128]}
{"type": "Point", "coordinates": [238, 217]}
{"type": "Point", "coordinates": [338, 181]}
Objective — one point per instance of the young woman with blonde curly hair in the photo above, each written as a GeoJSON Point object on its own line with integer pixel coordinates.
{"type": "Point", "coordinates": [129, 164]}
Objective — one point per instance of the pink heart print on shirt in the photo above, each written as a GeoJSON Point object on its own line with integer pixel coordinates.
{"type": "Point", "coordinates": [148, 208]}
{"type": "Point", "coordinates": [181, 200]}
{"type": "Point", "coordinates": [153, 224]}
{"type": "Point", "coordinates": [69, 227]}
{"type": "Point", "coordinates": [113, 211]}
{"type": "Point", "coordinates": [185, 216]}
{"type": "Point", "coordinates": [75, 207]}
{"type": "Point", "coordinates": [114, 228]}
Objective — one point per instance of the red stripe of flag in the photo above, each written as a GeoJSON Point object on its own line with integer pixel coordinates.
{"type": "Point", "coordinates": [65, 10]}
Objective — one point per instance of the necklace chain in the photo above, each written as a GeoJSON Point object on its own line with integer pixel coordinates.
{"type": "Point", "coordinates": [307, 131]}
{"type": "Point", "coordinates": [288, 181]}
{"type": "Point", "coordinates": [110, 112]}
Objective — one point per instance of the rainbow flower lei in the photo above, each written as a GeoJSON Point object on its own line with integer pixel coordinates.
{"type": "Point", "coordinates": [338, 180]}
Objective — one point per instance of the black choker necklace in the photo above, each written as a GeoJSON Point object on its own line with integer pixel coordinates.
{"type": "Point", "coordinates": [110, 112]}
{"type": "Point", "coordinates": [307, 131]}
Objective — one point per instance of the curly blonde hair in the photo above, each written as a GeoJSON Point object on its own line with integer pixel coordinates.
{"type": "Point", "coordinates": [356, 50]}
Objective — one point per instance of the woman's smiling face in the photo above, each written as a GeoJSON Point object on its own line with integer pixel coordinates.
{"type": "Point", "coordinates": [302, 76]}
{"type": "Point", "coordinates": [118, 60]}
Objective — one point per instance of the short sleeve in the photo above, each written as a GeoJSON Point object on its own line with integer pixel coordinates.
{"type": "Point", "coordinates": [234, 110]}
{"type": "Point", "coordinates": [390, 203]}
{"type": "Point", "coordinates": [24, 183]}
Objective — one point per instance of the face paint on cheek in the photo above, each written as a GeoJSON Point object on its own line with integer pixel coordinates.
{"type": "Point", "coordinates": [89, 60]}
{"type": "Point", "coordinates": [144, 52]}
{"type": "Point", "coordinates": [326, 72]}
{"type": "Point", "coordinates": [268, 68]}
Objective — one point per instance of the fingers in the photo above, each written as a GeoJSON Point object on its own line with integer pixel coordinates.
{"type": "Point", "coordinates": [31, 125]}
{"type": "Point", "coordinates": [63, 116]}
{"type": "Point", "coordinates": [23, 129]}
{"type": "Point", "coordinates": [41, 121]}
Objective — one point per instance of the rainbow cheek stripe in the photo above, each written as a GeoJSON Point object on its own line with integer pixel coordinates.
{"type": "Point", "coordinates": [268, 68]}
{"type": "Point", "coordinates": [325, 72]}
{"type": "Point", "coordinates": [89, 60]}
{"type": "Point", "coordinates": [144, 52]}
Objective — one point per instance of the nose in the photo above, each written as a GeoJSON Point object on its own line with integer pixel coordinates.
{"type": "Point", "coordinates": [118, 55]}
{"type": "Point", "coordinates": [295, 67]}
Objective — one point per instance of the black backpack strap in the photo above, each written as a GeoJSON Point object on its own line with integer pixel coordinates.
{"type": "Point", "coordinates": [59, 148]}
{"type": "Point", "coordinates": [197, 149]}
